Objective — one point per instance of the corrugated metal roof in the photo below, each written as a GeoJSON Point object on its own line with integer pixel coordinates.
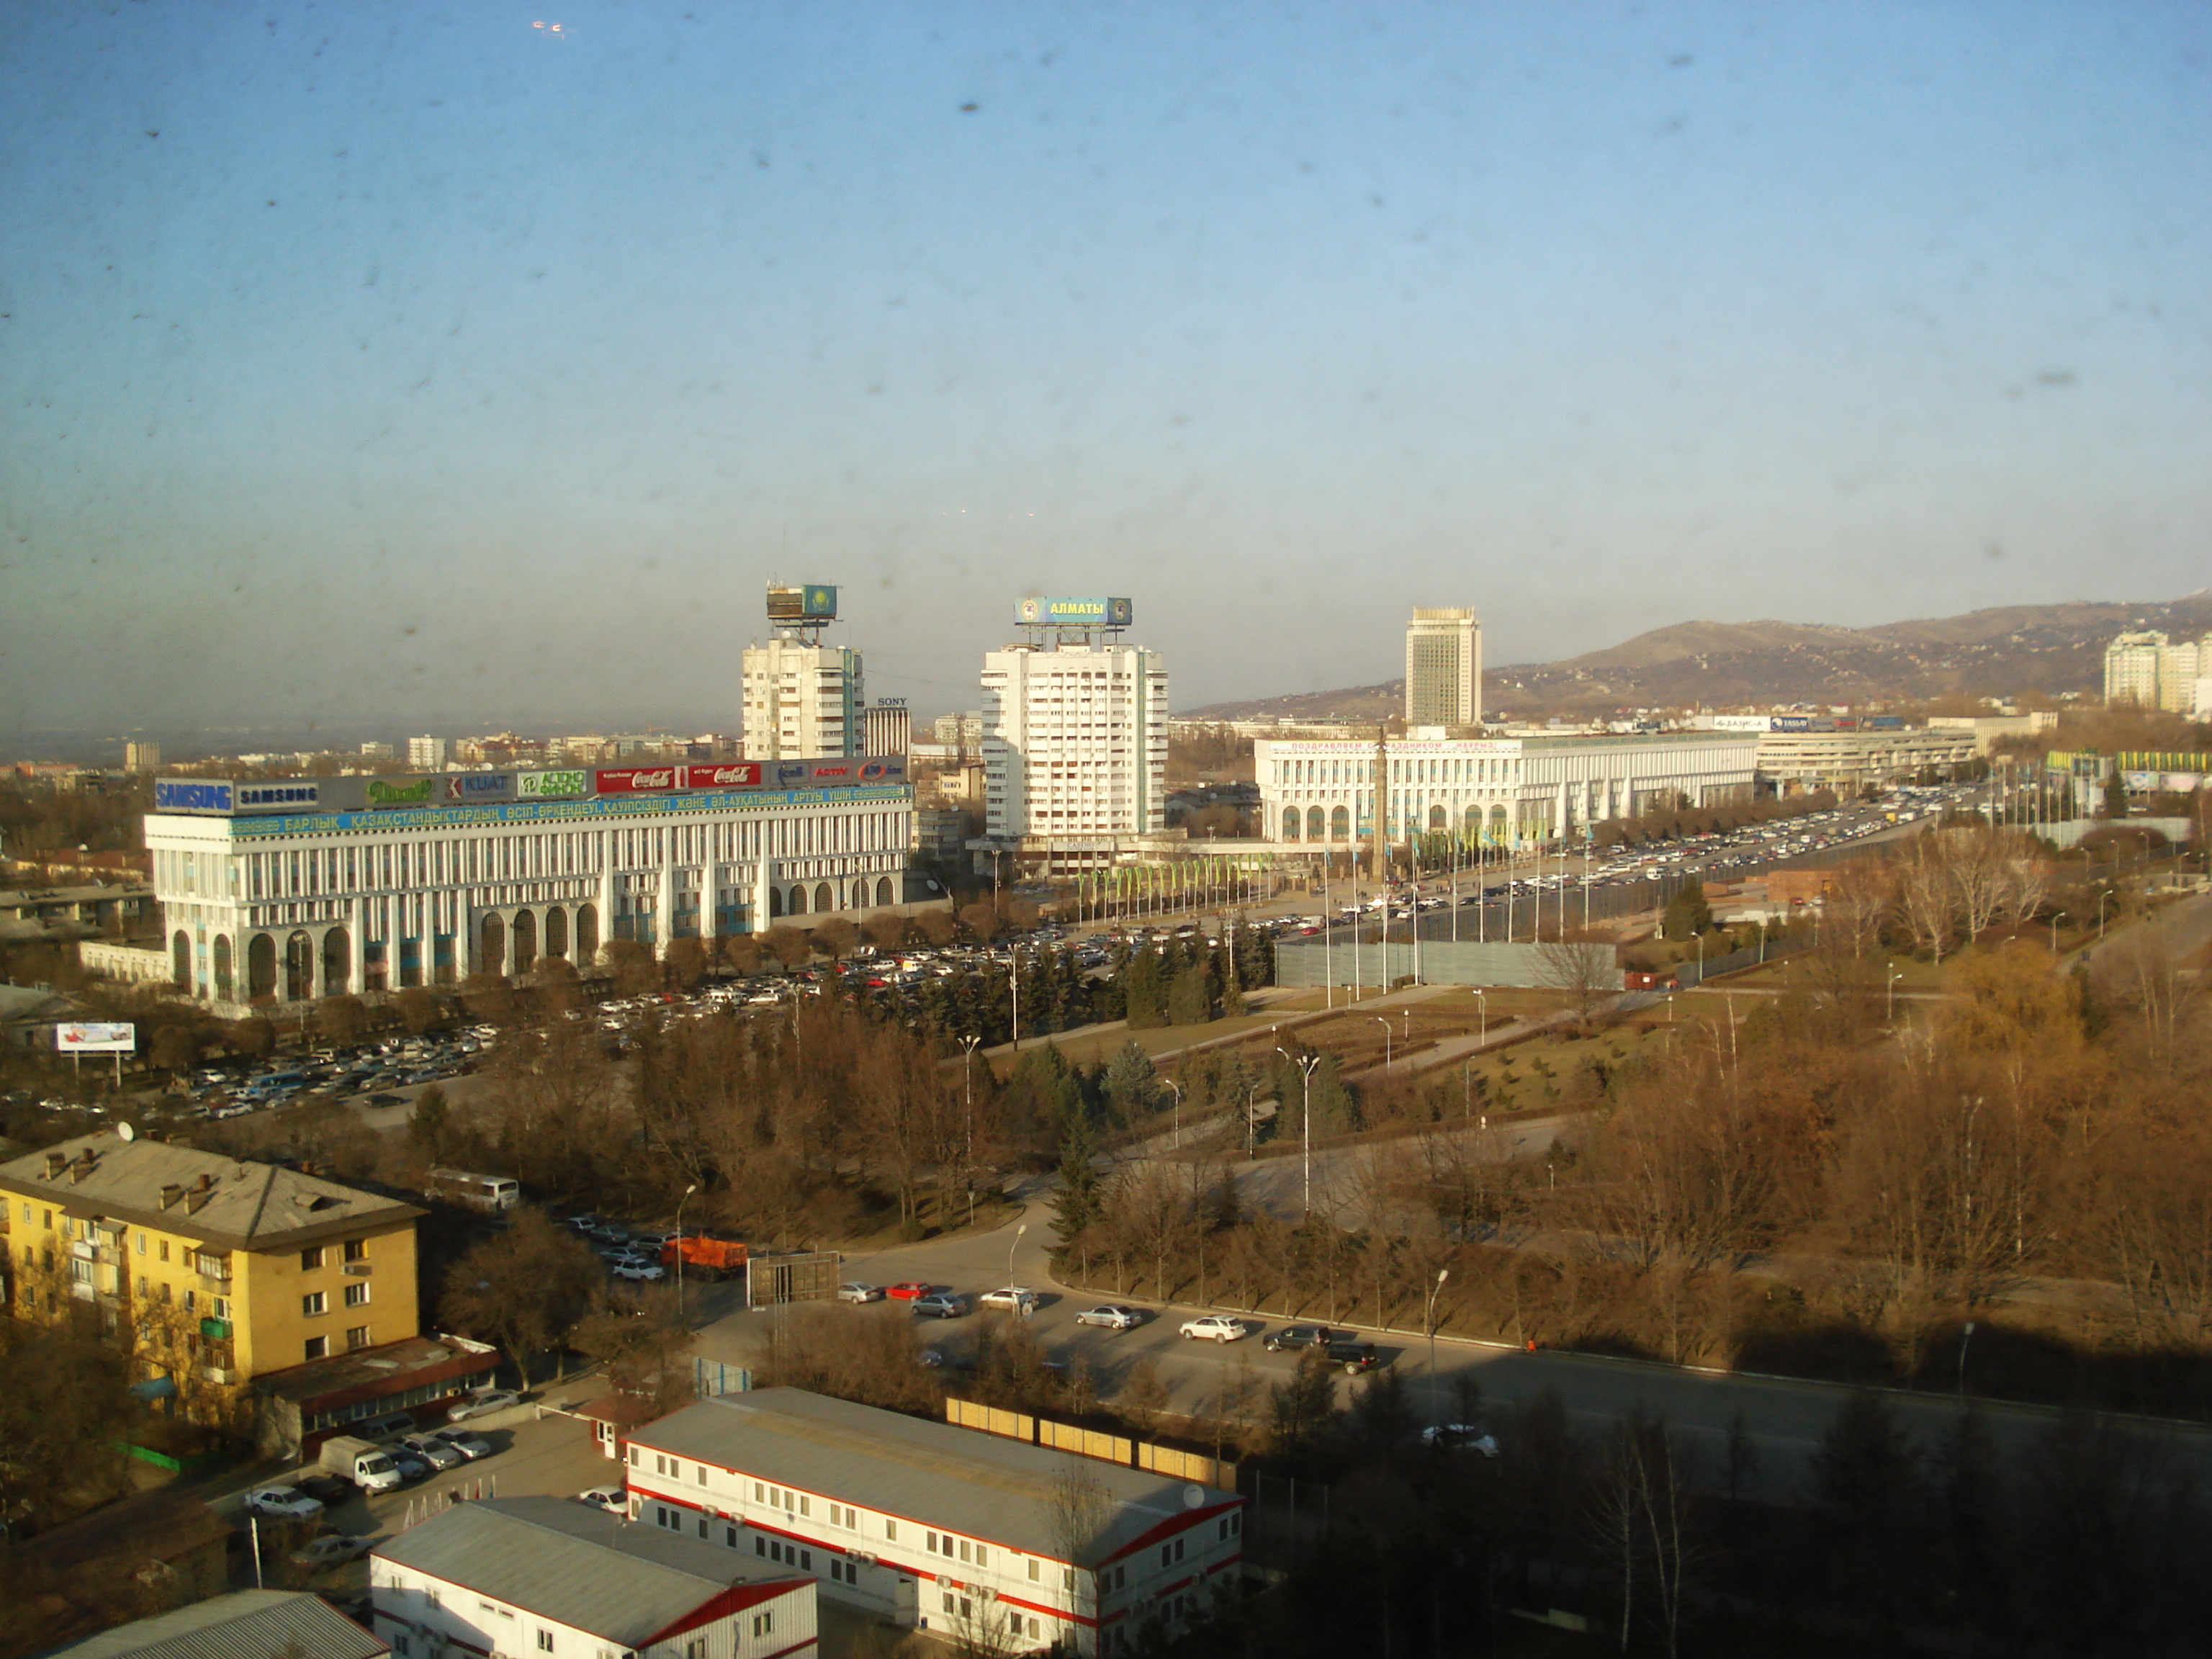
{"type": "Point", "coordinates": [960, 1480]}
{"type": "Point", "coordinates": [260, 1624]}
{"type": "Point", "coordinates": [573, 1565]}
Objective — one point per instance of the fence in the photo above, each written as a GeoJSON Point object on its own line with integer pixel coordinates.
{"type": "Point", "coordinates": [1073, 1437]}
{"type": "Point", "coordinates": [1307, 962]}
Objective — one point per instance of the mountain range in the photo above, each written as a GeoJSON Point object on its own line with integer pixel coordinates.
{"type": "Point", "coordinates": [2032, 651]}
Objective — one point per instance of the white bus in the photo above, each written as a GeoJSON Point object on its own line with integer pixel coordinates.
{"type": "Point", "coordinates": [490, 1193]}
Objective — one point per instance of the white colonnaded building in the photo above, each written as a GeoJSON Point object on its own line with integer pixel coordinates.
{"type": "Point", "coordinates": [308, 887]}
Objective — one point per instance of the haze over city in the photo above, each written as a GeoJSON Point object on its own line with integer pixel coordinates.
{"type": "Point", "coordinates": [439, 363]}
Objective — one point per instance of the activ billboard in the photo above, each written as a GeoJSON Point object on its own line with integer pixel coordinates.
{"type": "Point", "coordinates": [634, 780]}
{"type": "Point", "coordinates": [193, 795]}
{"type": "Point", "coordinates": [723, 775]}
{"type": "Point", "coordinates": [552, 786]}
{"type": "Point", "coordinates": [89, 1038]}
{"type": "Point", "coordinates": [407, 791]}
{"type": "Point", "coordinates": [1061, 611]}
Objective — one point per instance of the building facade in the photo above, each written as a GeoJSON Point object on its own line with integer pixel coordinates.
{"type": "Point", "coordinates": [218, 1272]}
{"type": "Point", "coordinates": [2152, 671]}
{"type": "Point", "coordinates": [886, 727]}
{"type": "Point", "coordinates": [926, 1526]}
{"type": "Point", "coordinates": [139, 757]}
{"type": "Point", "coordinates": [310, 887]}
{"type": "Point", "coordinates": [1796, 763]}
{"type": "Point", "coordinates": [803, 700]}
{"type": "Point", "coordinates": [1444, 668]}
{"type": "Point", "coordinates": [1075, 752]}
{"type": "Point", "coordinates": [1498, 792]}
{"type": "Point", "coordinates": [427, 754]}
{"type": "Point", "coordinates": [527, 1576]}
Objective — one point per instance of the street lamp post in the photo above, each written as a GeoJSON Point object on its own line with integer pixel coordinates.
{"type": "Point", "coordinates": [2057, 917]}
{"type": "Point", "coordinates": [1306, 1064]}
{"type": "Point", "coordinates": [968, 1123]}
{"type": "Point", "coordinates": [2103, 899]}
{"type": "Point", "coordinates": [1385, 1024]}
{"type": "Point", "coordinates": [1965, 1342]}
{"type": "Point", "coordinates": [1482, 1011]}
{"type": "Point", "coordinates": [1430, 1320]}
{"type": "Point", "coordinates": [1891, 1019]}
{"type": "Point", "coordinates": [688, 1191]}
{"type": "Point", "coordinates": [1170, 1083]}
{"type": "Point", "coordinates": [1017, 1239]}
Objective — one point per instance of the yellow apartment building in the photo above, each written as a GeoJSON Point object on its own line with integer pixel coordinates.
{"type": "Point", "coordinates": [216, 1272]}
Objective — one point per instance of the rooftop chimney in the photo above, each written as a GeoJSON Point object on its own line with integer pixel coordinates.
{"type": "Point", "coordinates": [170, 1193]}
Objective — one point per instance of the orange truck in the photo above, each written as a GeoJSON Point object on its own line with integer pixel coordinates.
{"type": "Point", "coordinates": [715, 1258]}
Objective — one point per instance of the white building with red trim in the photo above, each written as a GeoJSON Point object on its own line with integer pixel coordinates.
{"type": "Point", "coordinates": [529, 1576]}
{"type": "Point", "coordinates": [970, 1535]}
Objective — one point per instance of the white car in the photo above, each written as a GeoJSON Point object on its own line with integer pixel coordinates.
{"type": "Point", "coordinates": [636, 1266]}
{"type": "Point", "coordinates": [1219, 1327]}
{"type": "Point", "coordinates": [613, 1499]}
{"type": "Point", "coordinates": [1009, 1296]}
{"type": "Point", "coordinates": [856, 1291]}
{"type": "Point", "coordinates": [282, 1503]}
{"type": "Point", "coordinates": [1112, 1316]}
{"type": "Point", "coordinates": [484, 1404]}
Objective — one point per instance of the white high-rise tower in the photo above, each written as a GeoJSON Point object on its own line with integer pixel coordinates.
{"type": "Point", "coordinates": [803, 699]}
{"type": "Point", "coordinates": [1443, 668]}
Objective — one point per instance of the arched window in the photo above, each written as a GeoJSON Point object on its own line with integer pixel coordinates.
{"type": "Point", "coordinates": [884, 891]}
{"type": "Point", "coordinates": [180, 961]}
{"type": "Point", "coordinates": [1316, 823]}
{"type": "Point", "coordinates": [222, 968]}
{"type": "Point", "coordinates": [1437, 818]}
{"type": "Point", "coordinates": [556, 931]}
{"type": "Point", "coordinates": [799, 901]}
{"type": "Point", "coordinates": [491, 950]}
{"type": "Point", "coordinates": [1290, 824]}
{"type": "Point", "coordinates": [1340, 823]}
{"type": "Point", "coordinates": [823, 902]}
{"type": "Point", "coordinates": [525, 940]}
{"type": "Point", "coordinates": [260, 967]}
{"type": "Point", "coordinates": [337, 962]}
{"type": "Point", "coordinates": [588, 932]}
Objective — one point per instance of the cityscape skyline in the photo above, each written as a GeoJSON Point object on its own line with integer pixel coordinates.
{"type": "Point", "coordinates": [446, 367]}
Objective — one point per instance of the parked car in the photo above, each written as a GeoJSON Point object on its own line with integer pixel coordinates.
{"type": "Point", "coordinates": [1354, 1356]}
{"type": "Point", "coordinates": [1219, 1328]}
{"type": "Point", "coordinates": [470, 1446]}
{"type": "Point", "coordinates": [1292, 1338]}
{"type": "Point", "coordinates": [1113, 1316]}
{"type": "Point", "coordinates": [907, 1290]}
{"type": "Point", "coordinates": [483, 1403]}
{"type": "Point", "coordinates": [941, 1305]}
{"type": "Point", "coordinates": [856, 1291]}
{"type": "Point", "coordinates": [1466, 1435]}
{"type": "Point", "coordinates": [328, 1490]}
{"type": "Point", "coordinates": [333, 1549]}
{"type": "Point", "coordinates": [282, 1503]}
{"type": "Point", "coordinates": [613, 1499]}
{"type": "Point", "coordinates": [432, 1451]}
{"type": "Point", "coordinates": [412, 1466]}
{"type": "Point", "coordinates": [1009, 1296]}
{"type": "Point", "coordinates": [636, 1266]}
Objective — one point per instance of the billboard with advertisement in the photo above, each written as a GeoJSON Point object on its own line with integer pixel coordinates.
{"type": "Point", "coordinates": [1060, 611]}
{"type": "Point", "coordinates": [96, 1038]}
{"type": "Point", "coordinates": [479, 785]}
{"type": "Point", "coordinates": [400, 792]}
{"type": "Point", "coordinates": [723, 775]}
{"type": "Point", "coordinates": [633, 779]}
{"type": "Point", "coordinates": [813, 602]}
{"type": "Point", "coordinates": [552, 786]}
{"type": "Point", "coordinates": [193, 795]}
{"type": "Point", "coordinates": [291, 795]}
{"type": "Point", "coordinates": [1743, 722]}
{"type": "Point", "coordinates": [1792, 723]}
{"type": "Point", "coordinates": [2179, 783]}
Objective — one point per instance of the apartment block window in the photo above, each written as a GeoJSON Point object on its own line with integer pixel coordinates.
{"type": "Point", "coordinates": [764, 1622]}
{"type": "Point", "coordinates": [891, 1529]}
{"type": "Point", "coordinates": [164, 1251]}
{"type": "Point", "coordinates": [546, 1641]}
{"type": "Point", "coordinates": [316, 1302]}
{"type": "Point", "coordinates": [141, 1242]}
{"type": "Point", "coordinates": [358, 1337]}
{"type": "Point", "coordinates": [319, 1347]}
{"type": "Point", "coordinates": [311, 1258]}
{"type": "Point", "coordinates": [356, 1295]}
{"type": "Point", "coordinates": [356, 1249]}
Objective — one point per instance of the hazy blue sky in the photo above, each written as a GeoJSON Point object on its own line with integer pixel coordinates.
{"type": "Point", "coordinates": [426, 362]}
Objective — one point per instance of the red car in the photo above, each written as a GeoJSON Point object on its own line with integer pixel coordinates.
{"type": "Point", "coordinates": [906, 1292]}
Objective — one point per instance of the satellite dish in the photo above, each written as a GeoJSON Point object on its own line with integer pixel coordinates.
{"type": "Point", "coordinates": [124, 1131]}
{"type": "Point", "coordinates": [1194, 1497]}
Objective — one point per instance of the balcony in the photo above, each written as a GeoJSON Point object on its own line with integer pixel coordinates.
{"type": "Point", "coordinates": [215, 1330]}
{"type": "Point", "coordinates": [224, 1374]}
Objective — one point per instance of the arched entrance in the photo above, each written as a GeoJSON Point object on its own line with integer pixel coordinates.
{"type": "Point", "coordinates": [260, 967]}
{"type": "Point", "coordinates": [587, 934]}
{"type": "Point", "coordinates": [491, 946]}
{"type": "Point", "coordinates": [556, 931]}
{"type": "Point", "coordinates": [180, 961]}
{"type": "Point", "coordinates": [337, 962]}
{"type": "Point", "coordinates": [1438, 819]}
{"type": "Point", "coordinates": [775, 900]}
{"type": "Point", "coordinates": [822, 901]}
{"type": "Point", "coordinates": [884, 891]}
{"type": "Point", "coordinates": [222, 968]}
{"type": "Point", "coordinates": [299, 967]}
{"type": "Point", "coordinates": [525, 940]}
{"type": "Point", "coordinates": [799, 901]}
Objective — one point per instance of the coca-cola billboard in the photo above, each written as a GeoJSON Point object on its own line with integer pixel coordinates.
{"type": "Point", "coordinates": [723, 775]}
{"type": "Point", "coordinates": [635, 779]}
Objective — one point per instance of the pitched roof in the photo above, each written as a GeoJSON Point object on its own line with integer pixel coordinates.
{"type": "Point", "coordinates": [963, 1480]}
{"type": "Point", "coordinates": [260, 1624]}
{"type": "Point", "coordinates": [572, 1564]}
{"type": "Point", "coordinates": [243, 1205]}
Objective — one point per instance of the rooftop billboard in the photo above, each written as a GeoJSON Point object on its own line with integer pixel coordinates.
{"type": "Point", "coordinates": [814, 602]}
{"type": "Point", "coordinates": [1061, 612]}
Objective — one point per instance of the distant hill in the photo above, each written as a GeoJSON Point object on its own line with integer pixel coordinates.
{"type": "Point", "coordinates": [2010, 651]}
